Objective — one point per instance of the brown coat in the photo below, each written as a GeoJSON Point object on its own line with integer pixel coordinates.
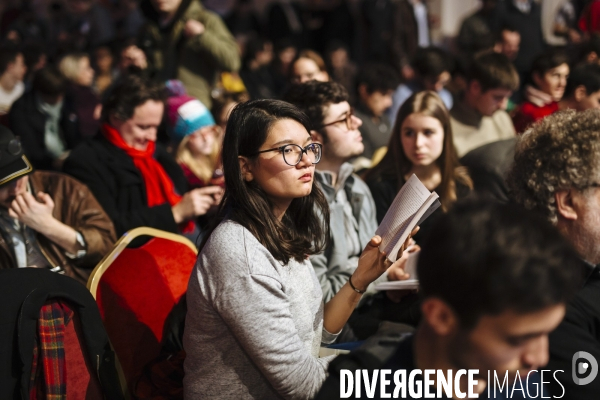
{"type": "Point", "coordinates": [75, 206]}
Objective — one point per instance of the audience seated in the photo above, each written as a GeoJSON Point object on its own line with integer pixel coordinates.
{"type": "Point", "coordinates": [548, 76]}
{"type": "Point", "coordinates": [308, 65]}
{"type": "Point", "coordinates": [46, 120]}
{"type": "Point", "coordinates": [185, 41]}
{"type": "Point", "coordinates": [134, 178]}
{"type": "Point", "coordinates": [421, 144]}
{"type": "Point", "coordinates": [375, 84]}
{"type": "Point", "coordinates": [256, 317]}
{"type": "Point", "coordinates": [432, 72]}
{"type": "Point", "coordinates": [12, 73]}
{"type": "Point", "coordinates": [495, 281]}
{"type": "Point", "coordinates": [489, 164]}
{"type": "Point", "coordinates": [479, 117]}
{"type": "Point", "coordinates": [564, 189]}
{"type": "Point", "coordinates": [47, 219]}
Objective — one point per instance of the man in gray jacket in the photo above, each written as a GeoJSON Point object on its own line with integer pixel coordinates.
{"type": "Point", "coordinates": [353, 221]}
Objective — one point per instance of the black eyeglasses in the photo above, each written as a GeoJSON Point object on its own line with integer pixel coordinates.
{"type": "Point", "coordinates": [347, 119]}
{"type": "Point", "coordinates": [292, 153]}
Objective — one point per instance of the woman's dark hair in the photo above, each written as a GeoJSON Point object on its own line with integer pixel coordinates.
{"type": "Point", "coordinates": [301, 231]}
{"type": "Point", "coordinates": [130, 92]}
{"type": "Point", "coordinates": [396, 165]}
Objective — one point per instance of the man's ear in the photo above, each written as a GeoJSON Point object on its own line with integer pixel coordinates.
{"type": "Point", "coordinates": [317, 137]}
{"type": "Point", "coordinates": [363, 93]}
{"type": "Point", "coordinates": [245, 168]}
{"type": "Point", "coordinates": [474, 88]}
{"type": "Point", "coordinates": [440, 317]}
{"type": "Point", "coordinates": [566, 203]}
{"type": "Point", "coordinates": [580, 93]}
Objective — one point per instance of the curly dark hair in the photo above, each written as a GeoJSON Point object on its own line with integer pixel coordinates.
{"type": "Point", "coordinates": [128, 93]}
{"type": "Point", "coordinates": [559, 152]}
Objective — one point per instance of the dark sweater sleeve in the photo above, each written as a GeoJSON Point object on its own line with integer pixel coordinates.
{"type": "Point", "coordinates": [105, 190]}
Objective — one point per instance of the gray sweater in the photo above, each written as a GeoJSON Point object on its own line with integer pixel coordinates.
{"type": "Point", "coordinates": [254, 326]}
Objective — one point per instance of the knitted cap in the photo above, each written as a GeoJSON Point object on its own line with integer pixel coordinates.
{"type": "Point", "coordinates": [186, 115]}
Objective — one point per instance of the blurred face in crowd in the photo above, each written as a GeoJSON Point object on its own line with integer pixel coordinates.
{"type": "Point", "coordinates": [488, 102]}
{"type": "Point", "coordinates": [305, 69]}
{"type": "Point", "coordinates": [509, 341]}
{"type": "Point", "coordinates": [166, 6]}
{"type": "Point", "coordinates": [585, 101]}
{"type": "Point", "coordinates": [85, 75]}
{"type": "Point", "coordinates": [377, 101]}
{"type": "Point", "coordinates": [17, 68]}
{"type": "Point", "coordinates": [553, 82]}
{"type": "Point", "coordinates": [202, 142]}
{"type": "Point", "coordinates": [509, 45]}
{"type": "Point", "coordinates": [437, 83]}
{"type": "Point", "coordinates": [341, 138]}
{"type": "Point", "coordinates": [280, 181]}
{"type": "Point", "coordinates": [11, 190]}
{"type": "Point", "coordinates": [422, 139]}
{"type": "Point", "coordinates": [141, 128]}
{"type": "Point", "coordinates": [104, 60]}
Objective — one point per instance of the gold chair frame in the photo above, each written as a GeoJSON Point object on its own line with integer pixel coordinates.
{"type": "Point", "coordinates": [106, 262]}
{"type": "Point", "coordinates": [122, 244]}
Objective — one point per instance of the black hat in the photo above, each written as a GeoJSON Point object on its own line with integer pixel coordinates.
{"type": "Point", "coordinates": [13, 163]}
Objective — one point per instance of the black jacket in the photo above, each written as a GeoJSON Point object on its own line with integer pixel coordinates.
{"type": "Point", "coordinates": [119, 186]}
{"type": "Point", "coordinates": [29, 123]}
{"type": "Point", "coordinates": [488, 166]}
{"type": "Point", "coordinates": [23, 292]}
{"type": "Point", "coordinates": [579, 331]}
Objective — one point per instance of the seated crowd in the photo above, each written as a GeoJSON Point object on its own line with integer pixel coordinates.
{"type": "Point", "coordinates": [280, 165]}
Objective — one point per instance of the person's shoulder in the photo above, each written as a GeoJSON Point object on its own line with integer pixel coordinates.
{"type": "Point", "coordinates": [230, 243]}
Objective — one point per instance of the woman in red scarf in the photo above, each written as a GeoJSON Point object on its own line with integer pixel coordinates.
{"type": "Point", "coordinates": [137, 182]}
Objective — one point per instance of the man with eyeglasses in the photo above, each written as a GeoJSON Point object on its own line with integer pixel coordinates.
{"type": "Point", "coordinates": [556, 172]}
{"type": "Point", "coordinates": [352, 208]}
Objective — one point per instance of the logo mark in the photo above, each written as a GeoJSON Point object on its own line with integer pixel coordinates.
{"type": "Point", "coordinates": [582, 367]}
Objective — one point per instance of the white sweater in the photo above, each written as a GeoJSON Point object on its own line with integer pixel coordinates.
{"type": "Point", "coordinates": [254, 326]}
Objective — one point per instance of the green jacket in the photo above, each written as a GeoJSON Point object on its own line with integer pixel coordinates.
{"type": "Point", "coordinates": [195, 61]}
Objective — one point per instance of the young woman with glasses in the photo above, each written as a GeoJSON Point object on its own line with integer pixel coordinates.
{"type": "Point", "coordinates": [255, 318]}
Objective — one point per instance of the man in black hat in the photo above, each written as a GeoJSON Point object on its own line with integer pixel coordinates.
{"type": "Point", "coordinates": [47, 219]}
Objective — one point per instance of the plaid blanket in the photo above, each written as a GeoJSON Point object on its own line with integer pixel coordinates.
{"type": "Point", "coordinates": [48, 373]}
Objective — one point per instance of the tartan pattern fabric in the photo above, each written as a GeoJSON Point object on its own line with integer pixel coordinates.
{"type": "Point", "coordinates": [48, 373]}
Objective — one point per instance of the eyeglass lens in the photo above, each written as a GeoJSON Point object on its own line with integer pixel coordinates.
{"type": "Point", "coordinates": [292, 153]}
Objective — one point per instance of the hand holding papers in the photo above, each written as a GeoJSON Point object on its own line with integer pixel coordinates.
{"type": "Point", "coordinates": [412, 205]}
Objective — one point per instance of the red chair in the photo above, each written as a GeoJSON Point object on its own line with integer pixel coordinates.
{"type": "Point", "coordinates": [136, 288]}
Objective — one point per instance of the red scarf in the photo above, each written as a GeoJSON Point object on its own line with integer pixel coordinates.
{"type": "Point", "coordinates": [159, 187]}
